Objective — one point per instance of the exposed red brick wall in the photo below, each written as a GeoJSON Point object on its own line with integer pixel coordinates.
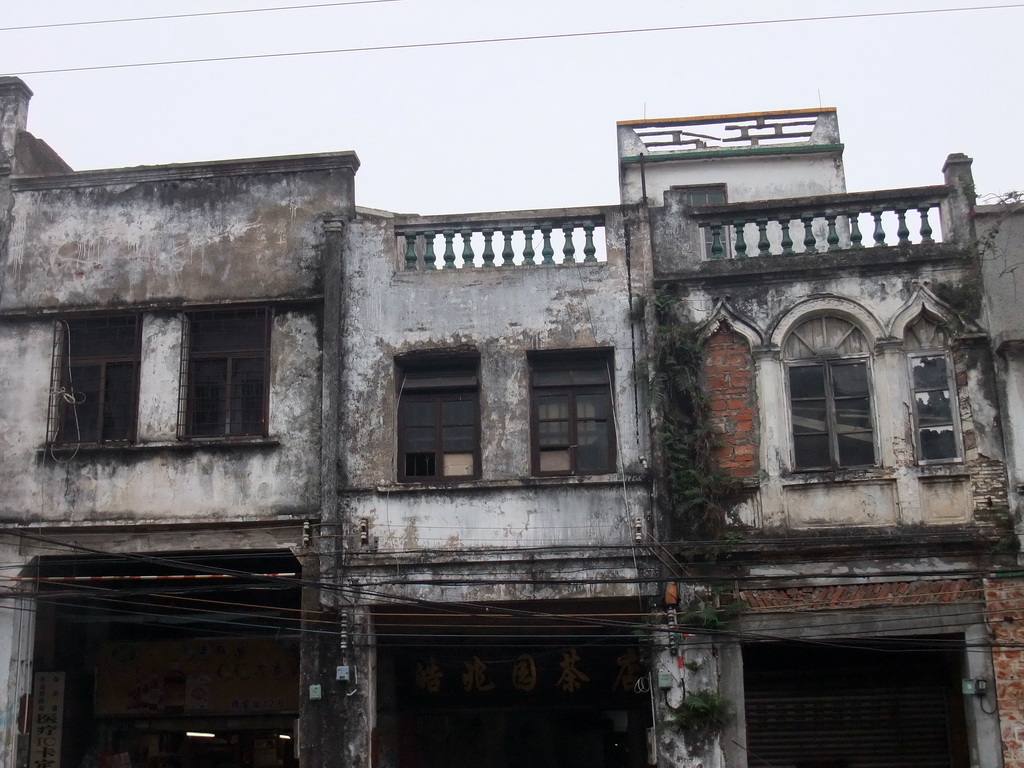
{"type": "Point", "coordinates": [1004, 600]}
{"type": "Point", "coordinates": [729, 378]}
{"type": "Point", "coordinates": [887, 594]}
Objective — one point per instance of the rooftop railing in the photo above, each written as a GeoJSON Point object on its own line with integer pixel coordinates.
{"type": "Point", "coordinates": [822, 224]}
{"type": "Point", "coordinates": [521, 239]}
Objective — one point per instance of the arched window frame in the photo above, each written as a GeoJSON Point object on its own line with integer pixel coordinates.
{"type": "Point", "coordinates": [830, 396]}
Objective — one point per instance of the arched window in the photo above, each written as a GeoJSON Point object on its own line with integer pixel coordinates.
{"type": "Point", "coordinates": [931, 382]}
{"type": "Point", "coordinates": [829, 395]}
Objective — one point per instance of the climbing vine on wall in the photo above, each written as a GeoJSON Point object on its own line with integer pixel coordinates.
{"type": "Point", "coordinates": [696, 488]}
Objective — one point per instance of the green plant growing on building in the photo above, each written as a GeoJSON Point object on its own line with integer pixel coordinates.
{"type": "Point", "coordinates": [697, 489]}
{"type": "Point", "coordinates": [700, 716]}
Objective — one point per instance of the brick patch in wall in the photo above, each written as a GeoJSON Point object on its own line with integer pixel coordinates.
{"type": "Point", "coordinates": [886, 594]}
{"type": "Point", "coordinates": [729, 377]}
{"type": "Point", "coordinates": [1004, 603]}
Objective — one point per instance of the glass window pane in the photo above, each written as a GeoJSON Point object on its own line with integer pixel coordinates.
{"type": "Point", "coordinates": [591, 407]}
{"type": "Point", "coordinates": [553, 433]}
{"type": "Point", "coordinates": [209, 388]}
{"type": "Point", "coordinates": [933, 408]}
{"type": "Point", "coordinates": [553, 407]}
{"type": "Point", "coordinates": [809, 417]}
{"type": "Point", "coordinates": [582, 376]}
{"type": "Point", "coordinates": [454, 412]}
{"type": "Point", "coordinates": [807, 381]}
{"type": "Point", "coordinates": [103, 337]}
{"type": "Point", "coordinates": [119, 401]}
{"type": "Point", "coordinates": [856, 449]}
{"type": "Point", "coordinates": [554, 461]}
{"type": "Point", "coordinates": [458, 438]}
{"type": "Point", "coordinates": [545, 378]}
{"type": "Point", "coordinates": [246, 417]}
{"type": "Point", "coordinates": [592, 445]}
{"type": "Point", "coordinates": [419, 439]}
{"type": "Point", "coordinates": [853, 414]}
{"type": "Point", "coordinates": [929, 372]}
{"type": "Point", "coordinates": [850, 380]}
{"type": "Point", "coordinates": [228, 331]}
{"type": "Point", "coordinates": [81, 422]}
{"type": "Point", "coordinates": [418, 413]}
{"type": "Point", "coordinates": [811, 451]}
{"type": "Point", "coordinates": [938, 443]}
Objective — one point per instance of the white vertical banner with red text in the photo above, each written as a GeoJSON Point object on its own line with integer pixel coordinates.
{"type": "Point", "coordinates": [47, 720]}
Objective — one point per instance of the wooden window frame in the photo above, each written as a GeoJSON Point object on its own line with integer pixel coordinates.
{"type": "Point", "coordinates": [437, 381]}
{"type": "Point", "coordinates": [830, 398]}
{"type": "Point", "coordinates": [252, 345]}
{"type": "Point", "coordinates": [71, 401]}
{"type": "Point", "coordinates": [954, 423]}
{"type": "Point", "coordinates": [578, 371]}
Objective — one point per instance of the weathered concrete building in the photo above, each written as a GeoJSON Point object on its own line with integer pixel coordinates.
{"type": "Point", "coordinates": [842, 372]}
{"type": "Point", "coordinates": [161, 387]}
{"type": "Point", "coordinates": [493, 500]}
{"type": "Point", "coordinates": [716, 476]}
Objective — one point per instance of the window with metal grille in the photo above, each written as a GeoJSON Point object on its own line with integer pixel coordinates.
{"type": "Point", "coordinates": [829, 395]}
{"type": "Point", "coordinates": [936, 422]}
{"type": "Point", "coordinates": [224, 373]}
{"type": "Point", "coordinates": [95, 390]}
{"type": "Point", "coordinates": [572, 427]}
{"type": "Point", "coordinates": [438, 419]}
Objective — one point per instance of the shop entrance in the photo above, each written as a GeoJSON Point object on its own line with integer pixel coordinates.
{"type": "Point", "coordinates": [559, 685]}
{"type": "Point", "coordinates": [525, 738]}
{"type": "Point", "coordinates": [856, 704]}
{"type": "Point", "coordinates": [169, 661]}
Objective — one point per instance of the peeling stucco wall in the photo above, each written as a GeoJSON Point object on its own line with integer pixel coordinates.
{"type": "Point", "coordinates": [502, 314]}
{"type": "Point", "coordinates": [153, 241]}
{"type": "Point", "coordinates": [149, 237]}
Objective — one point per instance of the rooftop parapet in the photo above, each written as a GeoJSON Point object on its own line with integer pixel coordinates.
{"type": "Point", "coordinates": [558, 237]}
{"type": "Point", "coordinates": [785, 130]}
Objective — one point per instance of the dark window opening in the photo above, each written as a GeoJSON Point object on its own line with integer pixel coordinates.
{"type": "Point", "coordinates": [829, 395]}
{"type": "Point", "coordinates": [95, 381]}
{"type": "Point", "coordinates": [573, 429]}
{"type": "Point", "coordinates": [710, 194]}
{"type": "Point", "coordinates": [936, 420]}
{"type": "Point", "coordinates": [226, 373]}
{"type": "Point", "coordinates": [438, 420]}
{"type": "Point", "coordinates": [831, 414]}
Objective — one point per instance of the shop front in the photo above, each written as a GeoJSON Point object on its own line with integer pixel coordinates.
{"type": "Point", "coordinates": [508, 691]}
{"type": "Point", "coordinates": [166, 662]}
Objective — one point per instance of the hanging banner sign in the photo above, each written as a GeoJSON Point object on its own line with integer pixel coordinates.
{"type": "Point", "coordinates": [47, 720]}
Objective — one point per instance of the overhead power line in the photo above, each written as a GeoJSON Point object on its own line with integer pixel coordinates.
{"type": "Point", "coordinates": [95, 22]}
{"type": "Point", "coordinates": [520, 38]}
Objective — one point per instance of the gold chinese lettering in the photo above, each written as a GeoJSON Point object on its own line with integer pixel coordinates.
{"type": "Point", "coordinates": [629, 671]}
{"type": "Point", "coordinates": [524, 673]}
{"type": "Point", "coordinates": [572, 678]}
{"type": "Point", "coordinates": [475, 676]}
{"type": "Point", "coordinates": [428, 676]}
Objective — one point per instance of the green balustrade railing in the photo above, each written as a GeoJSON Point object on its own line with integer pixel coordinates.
{"type": "Point", "coordinates": [820, 225]}
{"type": "Point", "coordinates": [434, 243]}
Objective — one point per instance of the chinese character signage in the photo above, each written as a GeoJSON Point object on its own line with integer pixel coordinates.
{"type": "Point", "coordinates": [489, 676]}
{"type": "Point", "coordinates": [47, 720]}
{"type": "Point", "coordinates": [189, 677]}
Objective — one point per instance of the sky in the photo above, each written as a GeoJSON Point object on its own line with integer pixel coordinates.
{"type": "Point", "coordinates": [519, 124]}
